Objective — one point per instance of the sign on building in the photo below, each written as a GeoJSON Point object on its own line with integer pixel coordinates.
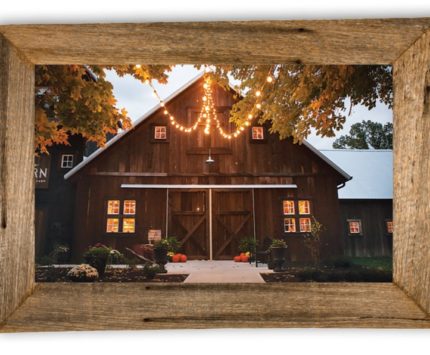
{"type": "Point", "coordinates": [42, 169]}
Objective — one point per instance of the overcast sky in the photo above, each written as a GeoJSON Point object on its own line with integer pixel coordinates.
{"type": "Point", "coordinates": [137, 99]}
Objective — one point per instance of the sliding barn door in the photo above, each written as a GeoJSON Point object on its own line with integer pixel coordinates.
{"type": "Point", "coordinates": [232, 220]}
{"type": "Point", "coordinates": [189, 221]}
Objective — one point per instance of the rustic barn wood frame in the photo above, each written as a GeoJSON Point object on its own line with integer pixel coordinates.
{"type": "Point", "coordinates": [403, 43]}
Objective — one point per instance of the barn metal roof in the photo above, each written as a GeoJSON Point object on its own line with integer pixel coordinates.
{"type": "Point", "coordinates": [372, 172]}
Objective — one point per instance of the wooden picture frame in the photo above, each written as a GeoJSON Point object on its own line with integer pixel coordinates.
{"type": "Point", "coordinates": [27, 306]}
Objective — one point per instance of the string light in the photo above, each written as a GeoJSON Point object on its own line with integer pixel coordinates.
{"type": "Point", "coordinates": [208, 113]}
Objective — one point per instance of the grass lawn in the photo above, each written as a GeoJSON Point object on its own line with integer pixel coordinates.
{"type": "Point", "coordinates": [346, 269]}
{"type": "Point", "coordinates": [377, 263]}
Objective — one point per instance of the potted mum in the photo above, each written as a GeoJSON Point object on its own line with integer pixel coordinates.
{"type": "Point", "coordinates": [278, 254]}
{"type": "Point", "coordinates": [161, 248]}
{"type": "Point", "coordinates": [97, 256]}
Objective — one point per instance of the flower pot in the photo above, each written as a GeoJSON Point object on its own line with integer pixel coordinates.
{"type": "Point", "coordinates": [160, 256]}
{"type": "Point", "coordinates": [278, 257]}
{"type": "Point", "coordinates": [99, 263]}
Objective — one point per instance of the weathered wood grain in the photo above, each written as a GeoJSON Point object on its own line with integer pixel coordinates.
{"type": "Point", "coordinates": [375, 41]}
{"type": "Point", "coordinates": [110, 306]}
{"type": "Point", "coordinates": [16, 178]}
{"type": "Point", "coordinates": [412, 171]}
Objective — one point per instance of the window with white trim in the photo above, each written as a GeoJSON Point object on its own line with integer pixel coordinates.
{"type": "Point", "coordinates": [160, 132]}
{"type": "Point", "coordinates": [288, 206]}
{"type": "Point", "coordinates": [67, 161]}
{"type": "Point", "coordinates": [305, 225]}
{"type": "Point", "coordinates": [121, 217]}
{"type": "Point", "coordinates": [129, 207]}
{"type": "Point", "coordinates": [354, 227]}
{"type": "Point", "coordinates": [112, 225]}
{"type": "Point", "coordinates": [257, 133]}
{"type": "Point", "coordinates": [304, 207]}
{"type": "Point", "coordinates": [289, 225]}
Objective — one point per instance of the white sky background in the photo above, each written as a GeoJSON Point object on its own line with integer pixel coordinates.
{"type": "Point", "coordinates": [137, 99]}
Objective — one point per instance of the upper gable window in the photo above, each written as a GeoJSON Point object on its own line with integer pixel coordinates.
{"type": "Point", "coordinates": [257, 133]}
{"type": "Point", "coordinates": [354, 227]}
{"type": "Point", "coordinates": [67, 161]}
{"type": "Point", "coordinates": [160, 133]}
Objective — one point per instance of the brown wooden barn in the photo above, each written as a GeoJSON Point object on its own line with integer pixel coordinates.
{"type": "Point", "coordinates": [156, 178]}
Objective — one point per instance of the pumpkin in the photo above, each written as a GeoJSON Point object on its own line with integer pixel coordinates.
{"type": "Point", "coordinates": [176, 258]}
{"type": "Point", "coordinates": [242, 254]}
{"type": "Point", "coordinates": [237, 258]}
{"type": "Point", "coordinates": [183, 258]}
{"type": "Point", "coordinates": [244, 258]}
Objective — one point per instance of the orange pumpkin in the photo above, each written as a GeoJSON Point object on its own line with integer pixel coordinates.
{"type": "Point", "coordinates": [183, 258]}
{"type": "Point", "coordinates": [176, 258]}
{"type": "Point", "coordinates": [242, 254]}
{"type": "Point", "coordinates": [244, 258]}
{"type": "Point", "coordinates": [237, 259]}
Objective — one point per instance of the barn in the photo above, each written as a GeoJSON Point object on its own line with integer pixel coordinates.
{"type": "Point", "coordinates": [366, 202]}
{"type": "Point", "coordinates": [208, 191]}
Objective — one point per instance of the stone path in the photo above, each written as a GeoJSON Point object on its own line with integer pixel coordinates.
{"type": "Point", "coordinates": [218, 271]}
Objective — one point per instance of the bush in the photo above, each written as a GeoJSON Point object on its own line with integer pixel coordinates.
{"type": "Point", "coordinates": [247, 245]}
{"type": "Point", "coordinates": [116, 257]}
{"type": "Point", "coordinates": [83, 273]}
{"type": "Point", "coordinates": [150, 270]}
{"type": "Point", "coordinates": [173, 245]}
{"type": "Point", "coordinates": [278, 243]}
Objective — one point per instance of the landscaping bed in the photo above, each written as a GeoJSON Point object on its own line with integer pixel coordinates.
{"type": "Point", "coordinates": [342, 270]}
{"type": "Point", "coordinates": [59, 274]}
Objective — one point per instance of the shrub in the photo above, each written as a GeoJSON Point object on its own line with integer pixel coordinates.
{"type": "Point", "coordinates": [247, 245]}
{"type": "Point", "coordinates": [278, 243]}
{"type": "Point", "coordinates": [60, 253]}
{"type": "Point", "coordinates": [150, 270]}
{"type": "Point", "coordinates": [116, 257]}
{"type": "Point", "coordinates": [83, 273]}
{"type": "Point", "coordinates": [173, 245]}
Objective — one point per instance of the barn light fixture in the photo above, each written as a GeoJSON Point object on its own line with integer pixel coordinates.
{"type": "Point", "coordinates": [208, 113]}
{"type": "Point", "coordinates": [210, 160]}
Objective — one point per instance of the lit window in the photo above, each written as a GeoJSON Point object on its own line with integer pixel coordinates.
{"type": "Point", "coordinates": [289, 225]}
{"type": "Point", "coordinates": [305, 224]}
{"type": "Point", "coordinates": [304, 207]}
{"type": "Point", "coordinates": [113, 207]}
{"type": "Point", "coordinates": [354, 227]}
{"type": "Point", "coordinates": [112, 225]}
{"type": "Point", "coordinates": [289, 207]}
{"type": "Point", "coordinates": [389, 225]}
{"type": "Point", "coordinates": [160, 132]}
{"type": "Point", "coordinates": [129, 207]}
{"type": "Point", "coordinates": [67, 161]}
{"type": "Point", "coordinates": [128, 225]}
{"type": "Point", "coordinates": [257, 133]}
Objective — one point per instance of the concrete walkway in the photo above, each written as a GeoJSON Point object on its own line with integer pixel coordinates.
{"type": "Point", "coordinates": [218, 271]}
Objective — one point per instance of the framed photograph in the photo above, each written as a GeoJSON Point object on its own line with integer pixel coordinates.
{"type": "Point", "coordinates": [226, 242]}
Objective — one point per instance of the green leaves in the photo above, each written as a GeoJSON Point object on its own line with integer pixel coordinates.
{"type": "Point", "coordinates": [366, 135]}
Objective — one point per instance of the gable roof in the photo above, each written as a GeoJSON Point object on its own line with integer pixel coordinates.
{"type": "Point", "coordinates": [119, 136]}
{"type": "Point", "coordinates": [372, 171]}
{"type": "Point", "coordinates": [135, 124]}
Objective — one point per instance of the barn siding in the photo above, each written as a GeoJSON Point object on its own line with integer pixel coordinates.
{"type": "Point", "coordinates": [137, 159]}
{"type": "Point", "coordinates": [374, 241]}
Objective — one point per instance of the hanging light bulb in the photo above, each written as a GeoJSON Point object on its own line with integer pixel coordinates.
{"type": "Point", "coordinates": [269, 79]}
